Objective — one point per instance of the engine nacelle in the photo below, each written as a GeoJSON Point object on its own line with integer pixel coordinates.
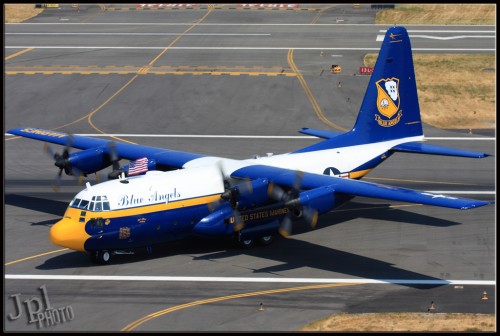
{"type": "Point", "coordinates": [321, 199]}
{"type": "Point", "coordinates": [252, 193]}
{"type": "Point", "coordinates": [215, 224]}
{"type": "Point", "coordinates": [87, 161]}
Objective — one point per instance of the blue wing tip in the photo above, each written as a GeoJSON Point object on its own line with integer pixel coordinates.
{"type": "Point", "coordinates": [477, 205]}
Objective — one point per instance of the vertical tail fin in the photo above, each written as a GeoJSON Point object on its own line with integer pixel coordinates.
{"type": "Point", "coordinates": [390, 107]}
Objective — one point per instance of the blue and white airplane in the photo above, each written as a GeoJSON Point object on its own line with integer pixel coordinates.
{"type": "Point", "coordinates": [253, 200]}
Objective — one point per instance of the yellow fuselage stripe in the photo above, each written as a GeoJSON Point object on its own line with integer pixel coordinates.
{"type": "Point", "coordinates": [73, 212]}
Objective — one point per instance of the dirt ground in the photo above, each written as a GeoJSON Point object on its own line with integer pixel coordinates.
{"type": "Point", "coordinates": [19, 13]}
{"type": "Point", "coordinates": [404, 322]}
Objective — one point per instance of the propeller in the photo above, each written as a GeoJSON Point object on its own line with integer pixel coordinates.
{"type": "Point", "coordinates": [231, 196]}
{"type": "Point", "coordinates": [114, 158]}
{"type": "Point", "coordinates": [61, 160]}
{"type": "Point", "coordinates": [63, 163]}
{"type": "Point", "coordinates": [291, 201]}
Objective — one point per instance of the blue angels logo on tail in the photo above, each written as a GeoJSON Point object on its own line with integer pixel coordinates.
{"type": "Point", "coordinates": [388, 100]}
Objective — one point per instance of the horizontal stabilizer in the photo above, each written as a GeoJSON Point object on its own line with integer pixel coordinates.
{"type": "Point", "coordinates": [421, 148]}
{"type": "Point", "coordinates": [320, 133]}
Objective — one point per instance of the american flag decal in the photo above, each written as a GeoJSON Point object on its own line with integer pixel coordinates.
{"type": "Point", "coordinates": [138, 166]}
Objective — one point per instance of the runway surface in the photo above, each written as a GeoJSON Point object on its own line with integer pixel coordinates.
{"type": "Point", "coordinates": [230, 74]}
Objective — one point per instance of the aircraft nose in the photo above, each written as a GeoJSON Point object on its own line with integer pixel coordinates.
{"type": "Point", "coordinates": [70, 234]}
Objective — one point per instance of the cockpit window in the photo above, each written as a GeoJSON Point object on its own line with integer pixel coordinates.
{"type": "Point", "coordinates": [75, 203]}
{"type": "Point", "coordinates": [79, 204]}
{"type": "Point", "coordinates": [98, 203]}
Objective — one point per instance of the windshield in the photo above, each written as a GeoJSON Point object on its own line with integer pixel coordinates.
{"type": "Point", "coordinates": [98, 203]}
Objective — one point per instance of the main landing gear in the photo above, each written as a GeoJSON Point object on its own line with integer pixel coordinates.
{"type": "Point", "coordinates": [247, 243]}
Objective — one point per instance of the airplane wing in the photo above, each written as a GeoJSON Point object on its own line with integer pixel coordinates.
{"type": "Point", "coordinates": [288, 177]}
{"type": "Point", "coordinates": [163, 157]}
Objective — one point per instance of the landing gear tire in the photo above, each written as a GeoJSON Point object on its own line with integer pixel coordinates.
{"type": "Point", "coordinates": [266, 240]}
{"type": "Point", "coordinates": [247, 243]}
{"type": "Point", "coordinates": [100, 257]}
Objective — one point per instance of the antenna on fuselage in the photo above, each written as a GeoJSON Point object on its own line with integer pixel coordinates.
{"type": "Point", "coordinates": [122, 178]}
{"type": "Point", "coordinates": [88, 185]}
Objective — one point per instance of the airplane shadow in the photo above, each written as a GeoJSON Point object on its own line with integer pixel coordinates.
{"type": "Point", "coordinates": [290, 253]}
{"type": "Point", "coordinates": [48, 206]}
{"type": "Point", "coordinates": [47, 223]}
{"type": "Point", "coordinates": [384, 212]}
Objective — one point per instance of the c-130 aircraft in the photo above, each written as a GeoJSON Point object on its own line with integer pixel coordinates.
{"type": "Point", "coordinates": [177, 194]}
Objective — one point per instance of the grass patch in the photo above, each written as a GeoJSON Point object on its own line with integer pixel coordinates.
{"type": "Point", "coordinates": [20, 13]}
{"type": "Point", "coordinates": [403, 322]}
{"type": "Point", "coordinates": [454, 90]}
{"type": "Point", "coordinates": [453, 14]}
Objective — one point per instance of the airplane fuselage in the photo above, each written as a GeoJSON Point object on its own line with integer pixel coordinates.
{"type": "Point", "coordinates": [164, 206]}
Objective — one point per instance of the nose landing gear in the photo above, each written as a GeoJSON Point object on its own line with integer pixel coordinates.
{"type": "Point", "coordinates": [100, 257]}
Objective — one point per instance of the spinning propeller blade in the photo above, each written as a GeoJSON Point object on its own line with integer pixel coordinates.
{"type": "Point", "coordinates": [290, 198]}
{"type": "Point", "coordinates": [63, 163]}
{"type": "Point", "coordinates": [230, 197]}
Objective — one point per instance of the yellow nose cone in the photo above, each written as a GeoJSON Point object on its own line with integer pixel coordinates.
{"type": "Point", "coordinates": [70, 234]}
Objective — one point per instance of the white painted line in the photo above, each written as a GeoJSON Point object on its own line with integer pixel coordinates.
{"type": "Point", "coordinates": [230, 24]}
{"type": "Point", "coordinates": [380, 38]}
{"type": "Point", "coordinates": [456, 138]}
{"type": "Point", "coordinates": [461, 192]}
{"type": "Point", "coordinates": [448, 31]}
{"type": "Point", "coordinates": [198, 136]}
{"type": "Point", "coordinates": [143, 34]}
{"type": "Point", "coordinates": [208, 136]}
{"type": "Point", "coordinates": [128, 135]}
{"type": "Point", "coordinates": [235, 48]}
{"type": "Point", "coordinates": [450, 37]}
{"type": "Point", "coordinates": [241, 279]}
